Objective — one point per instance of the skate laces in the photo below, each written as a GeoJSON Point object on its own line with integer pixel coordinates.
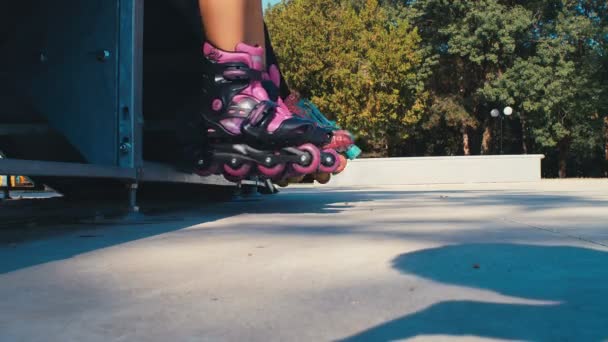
{"type": "Point", "coordinates": [341, 138]}
{"type": "Point", "coordinates": [314, 113]}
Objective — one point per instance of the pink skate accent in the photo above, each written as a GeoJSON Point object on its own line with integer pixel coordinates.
{"type": "Point", "coordinates": [252, 56]}
{"type": "Point", "coordinates": [257, 113]}
{"type": "Point", "coordinates": [284, 110]}
{"type": "Point", "coordinates": [241, 97]}
{"type": "Point", "coordinates": [342, 166]}
{"type": "Point", "coordinates": [212, 170]}
{"type": "Point", "coordinates": [272, 172]}
{"type": "Point", "coordinates": [340, 141]}
{"type": "Point", "coordinates": [256, 53]}
{"type": "Point", "coordinates": [235, 74]}
{"type": "Point", "coordinates": [238, 173]}
{"type": "Point", "coordinates": [274, 75]}
{"type": "Point", "coordinates": [217, 105]}
{"type": "Point", "coordinates": [232, 125]}
{"type": "Point", "coordinates": [221, 56]}
{"type": "Point", "coordinates": [280, 115]}
{"type": "Point", "coordinates": [291, 102]}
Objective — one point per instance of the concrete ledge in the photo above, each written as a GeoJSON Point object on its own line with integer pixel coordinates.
{"type": "Point", "coordinates": [441, 170]}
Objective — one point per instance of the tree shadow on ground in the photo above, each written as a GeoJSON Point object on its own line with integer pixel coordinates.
{"type": "Point", "coordinates": [572, 280]}
{"type": "Point", "coordinates": [23, 245]}
{"type": "Point", "coordinates": [72, 239]}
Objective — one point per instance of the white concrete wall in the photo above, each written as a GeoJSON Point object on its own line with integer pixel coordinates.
{"type": "Point", "coordinates": [440, 170]}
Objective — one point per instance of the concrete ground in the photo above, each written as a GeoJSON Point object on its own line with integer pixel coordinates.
{"type": "Point", "coordinates": [430, 263]}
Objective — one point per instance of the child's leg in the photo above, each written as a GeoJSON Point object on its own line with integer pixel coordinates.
{"type": "Point", "coordinates": [227, 23]}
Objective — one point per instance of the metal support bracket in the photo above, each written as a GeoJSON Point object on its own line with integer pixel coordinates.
{"type": "Point", "coordinates": [133, 208]}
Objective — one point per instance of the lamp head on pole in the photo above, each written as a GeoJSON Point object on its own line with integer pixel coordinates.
{"type": "Point", "coordinates": [508, 111]}
{"type": "Point", "coordinates": [495, 113]}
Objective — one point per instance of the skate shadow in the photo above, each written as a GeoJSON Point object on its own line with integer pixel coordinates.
{"type": "Point", "coordinates": [24, 245]}
{"type": "Point", "coordinates": [75, 239]}
{"type": "Point", "coordinates": [570, 280]}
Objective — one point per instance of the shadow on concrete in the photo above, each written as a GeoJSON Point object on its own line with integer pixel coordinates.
{"type": "Point", "coordinates": [71, 239]}
{"type": "Point", "coordinates": [28, 243]}
{"type": "Point", "coordinates": [573, 281]}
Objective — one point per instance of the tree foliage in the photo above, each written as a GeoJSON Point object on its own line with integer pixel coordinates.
{"type": "Point", "coordinates": [420, 77]}
{"type": "Point", "coordinates": [358, 61]}
{"type": "Point", "coordinates": [555, 82]}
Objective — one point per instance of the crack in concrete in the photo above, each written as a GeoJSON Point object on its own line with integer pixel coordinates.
{"type": "Point", "coordinates": [557, 232]}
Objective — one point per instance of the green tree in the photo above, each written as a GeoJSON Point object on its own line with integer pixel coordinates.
{"type": "Point", "coordinates": [358, 61]}
{"type": "Point", "coordinates": [556, 86]}
{"type": "Point", "coordinates": [421, 76]}
{"type": "Point", "coordinates": [472, 42]}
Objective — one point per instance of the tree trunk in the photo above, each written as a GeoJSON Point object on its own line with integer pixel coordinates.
{"type": "Point", "coordinates": [563, 147]}
{"type": "Point", "coordinates": [466, 140]}
{"type": "Point", "coordinates": [606, 145]}
{"type": "Point", "coordinates": [524, 133]}
{"type": "Point", "coordinates": [487, 140]}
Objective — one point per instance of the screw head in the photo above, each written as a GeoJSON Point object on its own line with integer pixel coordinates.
{"type": "Point", "coordinates": [268, 160]}
{"type": "Point", "coordinates": [303, 158]}
{"type": "Point", "coordinates": [103, 55]}
{"type": "Point", "coordinates": [124, 148]}
{"type": "Point", "coordinates": [200, 162]}
{"type": "Point", "coordinates": [234, 161]}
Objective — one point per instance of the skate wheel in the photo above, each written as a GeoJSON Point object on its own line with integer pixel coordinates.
{"type": "Point", "coordinates": [291, 177]}
{"type": "Point", "coordinates": [203, 173]}
{"type": "Point", "coordinates": [232, 179]}
{"type": "Point", "coordinates": [342, 164]}
{"type": "Point", "coordinates": [296, 179]}
{"type": "Point", "coordinates": [212, 170]}
{"type": "Point", "coordinates": [238, 173]}
{"type": "Point", "coordinates": [283, 183]}
{"type": "Point", "coordinates": [313, 165]}
{"type": "Point", "coordinates": [271, 172]}
{"type": "Point", "coordinates": [330, 161]}
{"type": "Point", "coordinates": [323, 178]}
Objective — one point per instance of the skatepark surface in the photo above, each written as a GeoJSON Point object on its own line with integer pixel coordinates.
{"type": "Point", "coordinates": [525, 261]}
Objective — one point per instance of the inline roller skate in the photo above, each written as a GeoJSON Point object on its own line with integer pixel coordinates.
{"type": "Point", "coordinates": [240, 131]}
{"type": "Point", "coordinates": [342, 141]}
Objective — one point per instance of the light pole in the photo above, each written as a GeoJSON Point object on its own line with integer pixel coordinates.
{"type": "Point", "coordinates": [496, 113]}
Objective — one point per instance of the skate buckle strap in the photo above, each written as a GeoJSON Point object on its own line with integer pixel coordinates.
{"type": "Point", "coordinates": [239, 72]}
{"type": "Point", "coordinates": [261, 112]}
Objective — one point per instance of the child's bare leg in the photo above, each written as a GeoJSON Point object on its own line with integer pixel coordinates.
{"type": "Point", "coordinates": [229, 22]}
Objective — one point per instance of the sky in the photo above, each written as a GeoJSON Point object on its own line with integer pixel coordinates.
{"type": "Point", "coordinates": [266, 2]}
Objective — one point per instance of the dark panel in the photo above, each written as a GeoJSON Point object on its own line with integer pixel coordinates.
{"type": "Point", "coordinates": [63, 62]}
